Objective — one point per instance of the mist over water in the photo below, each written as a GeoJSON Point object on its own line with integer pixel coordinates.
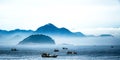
{"type": "Point", "coordinates": [86, 40]}
{"type": "Point", "coordinates": [87, 48]}
{"type": "Point", "coordinates": [71, 40]}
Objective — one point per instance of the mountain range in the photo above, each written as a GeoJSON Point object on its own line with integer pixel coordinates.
{"type": "Point", "coordinates": [53, 30]}
{"type": "Point", "coordinates": [48, 29]}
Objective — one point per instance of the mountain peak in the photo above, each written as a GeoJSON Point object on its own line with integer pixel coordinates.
{"type": "Point", "coordinates": [52, 29]}
{"type": "Point", "coordinates": [49, 28]}
{"type": "Point", "coordinates": [50, 25]}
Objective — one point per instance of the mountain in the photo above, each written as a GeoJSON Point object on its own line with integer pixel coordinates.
{"type": "Point", "coordinates": [106, 35]}
{"type": "Point", "coordinates": [20, 31]}
{"type": "Point", "coordinates": [14, 35]}
{"type": "Point", "coordinates": [48, 29]}
{"type": "Point", "coordinates": [37, 39]}
{"type": "Point", "coordinates": [3, 32]}
{"type": "Point", "coordinates": [53, 30]}
{"type": "Point", "coordinates": [79, 34]}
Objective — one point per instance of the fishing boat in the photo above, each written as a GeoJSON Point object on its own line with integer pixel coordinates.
{"type": "Point", "coordinates": [46, 55]}
{"type": "Point", "coordinates": [64, 48]}
{"type": "Point", "coordinates": [56, 50]}
{"type": "Point", "coordinates": [14, 49]}
{"type": "Point", "coordinates": [71, 52]}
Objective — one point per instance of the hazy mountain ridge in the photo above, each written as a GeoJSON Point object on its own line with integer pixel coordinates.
{"type": "Point", "coordinates": [51, 29]}
{"type": "Point", "coordinates": [47, 29]}
{"type": "Point", "coordinates": [17, 35]}
{"type": "Point", "coordinates": [106, 35]}
{"type": "Point", "coordinates": [60, 35]}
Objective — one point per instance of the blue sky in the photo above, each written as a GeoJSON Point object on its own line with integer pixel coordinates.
{"type": "Point", "coordinates": [72, 14]}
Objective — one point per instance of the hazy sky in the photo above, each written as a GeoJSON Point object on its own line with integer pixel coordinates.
{"type": "Point", "coordinates": [72, 14]}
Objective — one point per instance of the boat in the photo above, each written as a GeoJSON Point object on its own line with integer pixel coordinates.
{"type": "Point", "coordinates": [112, 46]}
{"type": "Point", "coordinates": [56, 50]}
{"type": "Point", "coordinates": [64, 48]}
{"type": "Point", "coordinates": [46, 55]}
{"type": "Point", "coordinates": [71, 52]}
{"type": "Point", "coordinates": [14, 49]}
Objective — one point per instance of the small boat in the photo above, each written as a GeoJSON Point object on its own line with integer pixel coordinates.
{"type": "Point", "coordinates": [64, 48]}
{"type": "Point", "coordinates": [46, 55]}
{"type": "Point", "coordinates": [112, 46]}
{"type": "Point", "coordinates": [14, 49]}
{"type": "Point", "coordinates": [56, 50]}
{"type": "Point", "coordinates": [71, 52]}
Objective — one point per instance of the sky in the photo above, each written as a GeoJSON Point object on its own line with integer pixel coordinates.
{"type": "Point", "coordinates": [76, 15]}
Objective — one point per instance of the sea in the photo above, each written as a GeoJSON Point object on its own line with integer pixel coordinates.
{"type": "Point", "coordinates": [34, 52]}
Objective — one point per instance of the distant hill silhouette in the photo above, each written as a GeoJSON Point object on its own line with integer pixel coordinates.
{"type": "Point", "coordinates": [51, 29]}
{"type": "Point", "coordinates": [106, 35]}
{"type": "Point", "coordinates": [20, 31]}
{"type": "Point", "coordinates": [3, 32]}
{"type": "Point", "coordinates": [48, 29]}
{"type": "Point", "coordinates": [15, 31]}
{"type": "Point", "coordinates": [38, 39]}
